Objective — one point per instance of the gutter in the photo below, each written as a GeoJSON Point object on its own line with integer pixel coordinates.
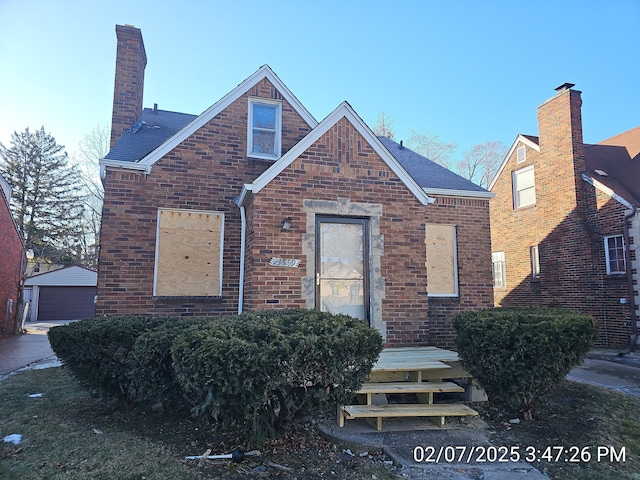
{"type": "Point", "coordinates": [634, 319]}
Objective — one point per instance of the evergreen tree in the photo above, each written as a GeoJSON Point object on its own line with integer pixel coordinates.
{"type": "Point", "coordinates": [46, 201]}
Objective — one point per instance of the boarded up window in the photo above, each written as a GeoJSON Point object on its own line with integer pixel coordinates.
{"type": "Point", "coordinates": [189, 253]}
{"type": "Point", "coordinates": [442, 265]}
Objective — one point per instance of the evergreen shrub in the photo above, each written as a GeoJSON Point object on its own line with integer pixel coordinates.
{"type": "Point", "coordinates": [255, 372]}
{"type": "Point", "coordinates": [519, 354]}
{"type": "Point", "coordinates": [96, 351]}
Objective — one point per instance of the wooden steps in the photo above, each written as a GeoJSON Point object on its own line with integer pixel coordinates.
{"type": "Point", "coordinates": [422, 371]}
{"type": "Point", "coordinates": [378, 412]}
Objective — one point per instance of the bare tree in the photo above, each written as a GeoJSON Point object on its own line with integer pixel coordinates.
{"type": "Point", "coordinates": [93, 147]}
{"type": "Point", "coordinates": [384, 126]}
{"type": "Point", "coordinates": [480, 163]}
{"type": "Point", "coordinates": [429, 145]}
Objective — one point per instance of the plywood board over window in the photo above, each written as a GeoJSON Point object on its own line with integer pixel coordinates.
{"type": "Point", "coordinates": [189, 253]}
{"type": "Point", "coordinates": [442, 263]}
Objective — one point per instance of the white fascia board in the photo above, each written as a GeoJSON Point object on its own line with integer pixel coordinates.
{"type": "Point", "coordinates": [519, 139]}
{"type": "Point", "coordinates": [459, 193]}
{"type": "Point", "coordinates": [263, 72]}
{"type": "Point", "coordinates": [122, 165]}
{"type": "Point", "coordinates": [343, 110]}
{"type": "Point", "coordinates": [608, 191]}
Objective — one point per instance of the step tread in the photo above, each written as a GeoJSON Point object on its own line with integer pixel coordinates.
{"type": "Point", "coordinates": [408, 410]}
{"type": "Point", "coordinates": [410, 387]}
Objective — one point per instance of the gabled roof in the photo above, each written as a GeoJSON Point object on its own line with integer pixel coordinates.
{"type": "Point", "coordinates": [169, 138]}
{"type": "Point", "coordinates": [72, 275]}
{"type": "Point", "coordinates": [613, 166]}
{"type": "Point", "coordinates": [344, 110]}
{"type": "Point", "coordinates": [433, 178]}
{"type": "Point", "coordinates": [529, 140]}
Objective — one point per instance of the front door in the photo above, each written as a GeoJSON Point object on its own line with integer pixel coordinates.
{"type": "Point", "coordinates": [342, 272]}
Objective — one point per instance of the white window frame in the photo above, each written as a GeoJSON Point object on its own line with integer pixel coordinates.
{"type": "Point", "coordinates": [452, 268]}
{"type": "Point", "coordinates": [607, 252]}
{"type": "Point", "coordinates": [253, 101]}
{"type": "Point", "coordinates": [499, 270]}
{"type": "Point", "coordinates": [219, 254]}
{"type": "Point", "coordinates": [521, 154]}
{"type": "Point", "coordinates": [534, 252]}
{"type": "Point", "coordinates": [516, 189]}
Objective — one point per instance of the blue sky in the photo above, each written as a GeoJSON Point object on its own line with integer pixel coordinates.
{"type": "Point", "coordinates": [466, 71]}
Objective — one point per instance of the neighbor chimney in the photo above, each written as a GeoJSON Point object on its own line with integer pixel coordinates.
{"type": "Point", "coordinates": [561, 142]}
{"type": "Point", "coordinates": [131, 60]}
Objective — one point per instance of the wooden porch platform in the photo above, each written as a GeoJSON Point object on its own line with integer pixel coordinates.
{"type": "Point", "coordinates": [412, 370]}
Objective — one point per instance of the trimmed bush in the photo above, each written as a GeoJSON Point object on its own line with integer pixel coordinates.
{"type": "Point", "coordinates": [519, 354]}
{"type": "Point", "coordinates": [150, 364]}
{"type": "Point", "coordinates": [256, 371]}
{"type": "Point", "coordinates": [96, 351]}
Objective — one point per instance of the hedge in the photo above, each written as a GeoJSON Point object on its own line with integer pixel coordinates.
{"type": "Point", "coordinates": [519, 354]}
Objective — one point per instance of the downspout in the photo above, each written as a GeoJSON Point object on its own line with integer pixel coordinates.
{"type": "Point", "coordinates": [243, 234]}
{"type": "Point", "coordinates": [634, 320]}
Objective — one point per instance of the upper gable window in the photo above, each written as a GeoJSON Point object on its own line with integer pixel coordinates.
{"type": "Point", "coordinates": [524, 187]}
{"type": "Point", "coordinates": [521, 154]}
{"type": "Point", "coordinates": [264, 129]}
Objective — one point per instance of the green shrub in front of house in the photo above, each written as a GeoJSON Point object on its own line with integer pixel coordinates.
{"type": "Point", "coordinates": [519, 354]}
{"type": "Point", "coordinates": [252, 372]}
{"type": "Point", "coordinates": [257, 371]}
{"type": "Point", "coordinates": [97, 351]}
{"type": "Point", "coordinates": [150, 364]}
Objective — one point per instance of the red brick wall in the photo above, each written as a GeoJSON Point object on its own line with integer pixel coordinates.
{"type": "Point", "coordinates": [131, 61]}
{"type": "Point", "coordinates": [10, 262]}
{"type": "Point", "coordinates": [205, 172]}
{"type": "Point", "coordinates": [567, 223]}
{"type": "Point", "coordinates": [342, 165]}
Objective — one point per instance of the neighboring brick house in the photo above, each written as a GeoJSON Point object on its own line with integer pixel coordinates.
{"type": "Point", "coordinates": [10, 262]}
{"type": "Point", "coordinates": [254, 204]}
{"type": "Point", "coordinates": [564, 221]}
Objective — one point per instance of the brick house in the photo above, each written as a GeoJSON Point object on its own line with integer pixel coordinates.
{"type": "Point", "coordinates": [564, 221]}
{"type": "Point", "coordinates": [11, 255]}
{"type": "Point", "coordinates": [254, 204]}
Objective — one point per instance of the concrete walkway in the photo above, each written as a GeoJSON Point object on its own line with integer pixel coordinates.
{"type": "Point", "coordinates": [408, 442]}
{"type": "Point", "coordinates": [28, 350]}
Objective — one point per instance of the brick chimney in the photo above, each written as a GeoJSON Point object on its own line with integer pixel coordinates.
{"type": "Point", "coordinates": [561, 142]}
{"type": "Point", "coordinates": [131, 60]}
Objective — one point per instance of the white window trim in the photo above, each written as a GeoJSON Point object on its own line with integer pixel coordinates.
{"type": "Point", "coordinates": [514, 182]}
{"type": "Point", "coordinates": [278, 140]}
{"type": "Point", "coordinates": [456, 280]}
{"type": "Point", "coordinates": [157, 252]}
{"type": "Point", "coordinates": [606, 253]}
{"type": "Point", "coordinates": [534, 252]}
{"type": "Point", "coordinates": [499, 258]}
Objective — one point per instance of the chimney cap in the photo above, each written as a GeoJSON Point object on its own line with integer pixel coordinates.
{"type": "Point", "coordinates": [565, 86]}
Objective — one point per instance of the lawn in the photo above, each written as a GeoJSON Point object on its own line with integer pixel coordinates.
{"type": "Point", "coordinates": [69, 433]}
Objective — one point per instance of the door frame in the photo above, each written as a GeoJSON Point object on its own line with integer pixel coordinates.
{"type": "Point", "coordinates": [366, 256]}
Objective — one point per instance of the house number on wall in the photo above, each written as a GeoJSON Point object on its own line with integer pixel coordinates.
{"type": "Point", "coordinates": [284, 262]}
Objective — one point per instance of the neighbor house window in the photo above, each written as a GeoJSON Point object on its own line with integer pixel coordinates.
{"type": "Point", "coordinates": [521, 154]}
{"type": "Point", "coordinates": [524, 187]}
{"type": "Point", "coordinates": [614, 252]}
{"type": "Point", "coordinates": [499, 270]}
{"type": "Point", "coordinates": [264, 128]}
{"type": "Point", "coordinates": [535, 261]}
{"type": "Point", "coordinates": [442, 261]}
{"type": "Point", "coordinates": [189, 246]}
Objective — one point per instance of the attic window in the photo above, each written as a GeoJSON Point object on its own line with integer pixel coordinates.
{"type": "Point", "coordinates": [264, 130]}
{"type": "Point", "coordinates": [602, 173]}
{"type": "Point", "coordinates": [521, 154]}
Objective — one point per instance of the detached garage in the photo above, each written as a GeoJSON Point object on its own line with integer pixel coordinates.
{"type": "Point", "coordinates": [64, 294]}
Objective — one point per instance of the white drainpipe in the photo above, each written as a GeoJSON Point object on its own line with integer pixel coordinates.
{"type": "Point", "coordinates": [243, 234]}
